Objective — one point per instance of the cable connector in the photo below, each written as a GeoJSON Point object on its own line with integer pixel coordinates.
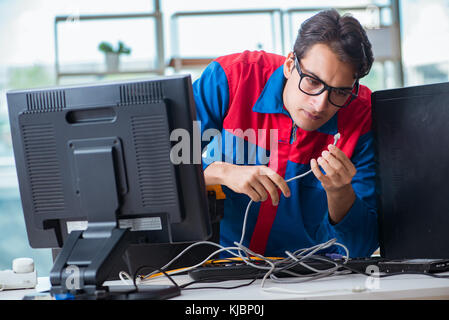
{"type": "Point", "coordinates": [337, 136]}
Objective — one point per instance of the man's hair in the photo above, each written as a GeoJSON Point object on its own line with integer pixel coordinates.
{"type": "Point", "coordinates": [343, 34]}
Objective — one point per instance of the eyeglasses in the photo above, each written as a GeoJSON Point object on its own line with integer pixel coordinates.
{"type": "Point", "coordinates": [313, 86]}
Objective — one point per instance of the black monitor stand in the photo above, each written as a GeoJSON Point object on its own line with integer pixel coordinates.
{"type": "Point", "coordinates": [88, 257]}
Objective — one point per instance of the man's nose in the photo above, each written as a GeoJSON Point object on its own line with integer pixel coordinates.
{"type": "Point", "coordinates": [320, 102]}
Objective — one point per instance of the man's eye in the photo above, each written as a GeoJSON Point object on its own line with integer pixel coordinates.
{"type": "Point", "coordinates": [313, 82]}
{"type": "Point", "coordinates": [342, 93]}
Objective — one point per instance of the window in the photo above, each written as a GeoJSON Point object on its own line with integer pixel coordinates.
{"type": "Point", "coordinates": [425, 45]}
{"type": "Point", "coordinates": [26, 29]}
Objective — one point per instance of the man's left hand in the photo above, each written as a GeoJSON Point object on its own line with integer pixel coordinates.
{"type": "Point", "coordinates": [336, 181]}
{"type": "Point", "coordinates": [339, 170]}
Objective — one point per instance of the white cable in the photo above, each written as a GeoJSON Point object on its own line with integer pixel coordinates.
{"type": "Point", "coordinates": [296, 257]}
{"type": "Point", "coordinates": [125, 277]}
{"type": "Point", "coordinates": [299, 257]}
{"type": "Point", "coordinates": [228, 249]}
{"type": "Point", "coordinates": [336, 138]}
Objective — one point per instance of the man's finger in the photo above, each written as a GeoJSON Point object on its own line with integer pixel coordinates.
{"type": "Point", "coordinates": [279, 181]}
{"type": "Point", "coordinates": [340, 155]}
{"type": "Point", "coordinates": [271, 188]}
{"type": "Point", "coordinates": [326, 167]}
{"type": "Point", "coordinates": [335, 163]}
{"type": "Point", "coordinates": [316, 170]}
{"type": "Point", "coordinates": [259, 188]}
{"type": "Point", "coordinates": [253, 194]}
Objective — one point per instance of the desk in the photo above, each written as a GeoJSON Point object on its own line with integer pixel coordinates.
{"type": "Point", "coordinates": [335, 287]}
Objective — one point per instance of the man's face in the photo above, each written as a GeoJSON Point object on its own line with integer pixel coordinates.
{"type": "Point", "coordinates": [311, 112]}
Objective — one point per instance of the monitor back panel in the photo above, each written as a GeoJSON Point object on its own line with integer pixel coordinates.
{"type": "Point", "coordinates": [411, 134]}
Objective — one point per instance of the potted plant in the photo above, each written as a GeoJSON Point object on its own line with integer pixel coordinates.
{"type": "Point", "coordinates": [112, 56]}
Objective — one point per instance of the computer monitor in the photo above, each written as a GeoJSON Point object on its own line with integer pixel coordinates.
{"type": "Point", "coordinates": [98, 170]}
{"type": "Point", "coordinates": [411, 135]}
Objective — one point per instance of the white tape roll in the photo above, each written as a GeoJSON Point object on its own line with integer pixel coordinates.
{"type": "Point", "coordinates": [23, 265]}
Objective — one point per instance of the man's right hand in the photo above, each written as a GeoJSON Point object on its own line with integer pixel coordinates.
{"type": "Point", "coordinates": [254, 181]}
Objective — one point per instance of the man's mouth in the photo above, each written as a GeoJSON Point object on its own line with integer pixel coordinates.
{"type": "Point", "coordinates": [311, 116]}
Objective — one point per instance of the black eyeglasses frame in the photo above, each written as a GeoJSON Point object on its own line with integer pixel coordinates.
{"type": "Point", "coordinates": [326, 86]}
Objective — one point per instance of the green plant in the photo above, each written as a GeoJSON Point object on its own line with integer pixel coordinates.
{"type": "Point", "coordinates": [106, 47]}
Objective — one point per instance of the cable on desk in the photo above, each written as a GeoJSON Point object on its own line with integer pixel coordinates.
{"type": "Point", "coordinates": [272, 265]}
{"type": "Point", "coordinates": [137, 272]}
{"type": "Point", "coordinates": [214, 279]}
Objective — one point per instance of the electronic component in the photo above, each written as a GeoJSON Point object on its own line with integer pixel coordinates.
{"type": "Point", "coordinates": [414, 265]}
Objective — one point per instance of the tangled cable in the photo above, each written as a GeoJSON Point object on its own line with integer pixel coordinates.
{"type": "Point", "coordinates": [272, 266]}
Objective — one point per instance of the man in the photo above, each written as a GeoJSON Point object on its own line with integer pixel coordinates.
{"type": "Point", "coordinates": [291, 108]}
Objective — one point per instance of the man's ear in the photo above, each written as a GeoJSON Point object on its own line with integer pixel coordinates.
{"type": "Point", "coordinates": [289, 64]}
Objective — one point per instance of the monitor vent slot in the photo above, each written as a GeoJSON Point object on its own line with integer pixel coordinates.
{"type": "Point", "coordinates": [141, 92]}
{"type": "Point", "coordinates": [154, 169]}
{"type": "Point", "coordinates": [43, 169]}
{"type": "Point", "coordinates": [46, 101]}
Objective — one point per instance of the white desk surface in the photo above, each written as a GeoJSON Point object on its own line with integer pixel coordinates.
{"type": "Point", "coordinates": [336, 287]}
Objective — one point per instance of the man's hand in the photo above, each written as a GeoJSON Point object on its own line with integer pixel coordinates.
{"type": "Point", "coordinates": [339, 171]}
{"type": "Point", "coordinates": [255, 181]}
{"type": "Point", "coordinates": [337, 166]}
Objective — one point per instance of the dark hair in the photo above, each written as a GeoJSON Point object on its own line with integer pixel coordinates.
{"type": "Point", "coordinates": [343, 34]}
